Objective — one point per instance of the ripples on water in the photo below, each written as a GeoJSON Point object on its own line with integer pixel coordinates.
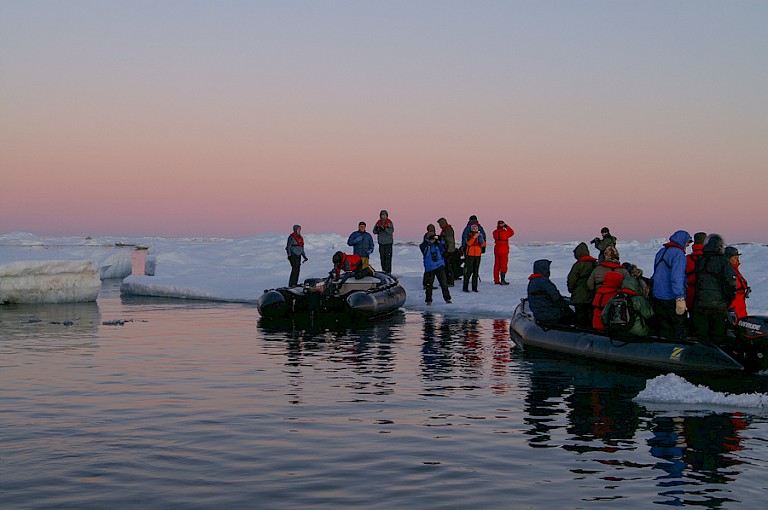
{"type": "Point", "coordinates": [167, 403]}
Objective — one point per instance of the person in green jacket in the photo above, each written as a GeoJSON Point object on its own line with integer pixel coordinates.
{"type": "Point", "coordinates": [581, 296]}
{"type": "Point", "coordinates": [643, 309]}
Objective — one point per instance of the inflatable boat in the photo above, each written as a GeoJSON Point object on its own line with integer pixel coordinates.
{"type": "Point", "coordinates": [749, 351]}
{"type": "Point", "coordinates": [363, 298]}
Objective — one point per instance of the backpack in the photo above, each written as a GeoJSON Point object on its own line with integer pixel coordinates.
{"type": "Point", "coordinates": [619, 314]}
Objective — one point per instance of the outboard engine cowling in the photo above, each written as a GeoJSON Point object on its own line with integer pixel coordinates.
{"type": "Point", "coordinates": [751, 343]}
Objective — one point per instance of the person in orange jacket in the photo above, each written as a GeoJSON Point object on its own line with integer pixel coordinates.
{"type": "Point", "coordinates": [739, 304]}
{"type": "Point", "coordinates": [501, 252]}
{"type": "Point", "coordinates": [474, 250]}
{"type": "Point", "coordinates": [690, 266]}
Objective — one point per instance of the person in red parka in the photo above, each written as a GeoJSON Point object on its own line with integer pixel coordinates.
{"type": "Point", "coordinates": [690, 266]}
{"type": "Point", "coordinates": [501, 252]}
{"type": "Point", "coordinates": [739, 304]}
{"type": "Point", "coordinates": [611, 285]}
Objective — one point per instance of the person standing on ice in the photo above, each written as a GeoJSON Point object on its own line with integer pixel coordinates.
{"type": "Point", "coordinates": [452, 264]}
{"type": "Point", "coordinates": [384, 230]}
{"type": "Point", "coordinates": [361, 242]}
{"type": "Point", "coordinates": [472, 254]}
{"type": "Point", "coordinates": [669, 286]}
{"type": "Point", "coordinates": [434, 266]}
{"type": "Point", "coordinates": [295, 250]}
{"type": "Point", "coordinates": [501, 252]}
{"type": "Point", "coordinates": [601, 244]}
{"type": "Point", "coordinates": [739, 304]}
{"type": "Point", "coordinates": [468, 229]}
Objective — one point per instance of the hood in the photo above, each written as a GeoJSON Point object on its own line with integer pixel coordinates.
{"type": "Point", "coordinates": [581, 250]}
{"type": "Point", "coordinates": [680, 237]}
{"type": "Point", "coordinates": [542, 267]}
{"type": "Point", "coordinates": [430, 228]}
{"type": "Point", "coordinates": [631, 284]}
{"type": "Point", "coordinates": [613, 279]}
{"type": "Point", "coordinates": [296, 229]}
{"type": "Point", "coordinates": [714, 244]}
{"type": "Point", "coordinates": [442, 222]}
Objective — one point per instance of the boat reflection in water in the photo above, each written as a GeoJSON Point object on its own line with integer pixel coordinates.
{"type": "Point", "coordinates": [589, 410]}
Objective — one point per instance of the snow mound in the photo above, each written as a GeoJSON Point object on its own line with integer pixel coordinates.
{"type": "Point", "coordinates": [49, 281]}
{"type": "Point", "coordinates": [672, 388]}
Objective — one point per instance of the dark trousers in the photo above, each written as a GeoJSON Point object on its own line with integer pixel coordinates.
{"type": "Point", "coordinates": [668, 323]}
{"type": "Point", "coordinates": [710, 324]}
{"type": "Point", "coordinates": [583, 315]}
{"type": "Point", "coordinates": [295, 261]}
{"type": "Point", "coordinates": [385, 252]}
{"type": "Point", "coordinates": [471, 268]}
{"type": "Point", "coordinates": [429, 280]}
{"type": "Point", "coordinates": [450, 264]}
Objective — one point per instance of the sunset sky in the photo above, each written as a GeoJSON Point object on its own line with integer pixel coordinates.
{"type": "Point", "coordinates": [234, 118]}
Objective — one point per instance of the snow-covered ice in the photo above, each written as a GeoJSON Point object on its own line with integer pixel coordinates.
{"type": "Point", "coordinates": [49, 281]}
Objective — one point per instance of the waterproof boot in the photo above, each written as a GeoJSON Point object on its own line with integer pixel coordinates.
{"type": "Point", "coordinates": [504, 279]}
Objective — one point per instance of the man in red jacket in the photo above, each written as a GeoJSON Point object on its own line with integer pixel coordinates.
{"type": "Point", "coordinates": [501, 252]}
{"type": "Point", "coordinates": [739, 304]}
{"type": "Point", "coordinates": [690, 266]}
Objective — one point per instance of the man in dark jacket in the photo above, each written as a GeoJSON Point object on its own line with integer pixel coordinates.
{"type": "Point", "coordinates": [545, 301]}
{"type": "Point", "coordinates": [715, 290]}
{"type": "Point", "coordinates": [602, 243]}
{"type": "Point", "coordinates": [452, 262]}
{"type": "Point", "coordinates": [361, 242]}
{"type": "Point", "coordinates": [581, 296]}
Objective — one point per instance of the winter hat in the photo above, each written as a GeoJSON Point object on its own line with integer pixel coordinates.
{"type": "Point", "coordinates": [715, 244]}
{"type": "Point", "coordinates": [442, 222]}
{"type": "Point", "coordinates": [699, 237]}
{"type": "Point", "coordinates": [361, 224]}
{"type": "Point", "coordinates": [337, 257]}
{"type": "Point", "coordinates": [473, 218]}
{"type": "Point", "coordinates": [605, 230]}
{"type": "Point", "coordinates": [383, 211]}
{"type": "Point", "coordinates": [731, 251]}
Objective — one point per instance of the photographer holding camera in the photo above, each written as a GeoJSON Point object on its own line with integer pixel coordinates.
{"type": "Point", "coordinates": [433, 249]}
{"type": "Point", "coordinates": [601, 244]}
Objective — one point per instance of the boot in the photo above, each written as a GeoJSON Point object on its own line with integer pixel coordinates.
{"type": "Point", "coordinates": [504, 279]}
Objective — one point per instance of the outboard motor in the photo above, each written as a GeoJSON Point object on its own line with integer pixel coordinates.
{"type": "Point", "coordinates": [751, 342]}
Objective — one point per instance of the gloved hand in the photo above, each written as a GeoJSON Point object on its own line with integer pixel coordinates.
{"type": "Point", "coordinates": [747, 292]}
{"type": "Point", "coordinates": [680, 308]}
{"type": "Point", "coordinates": [595, 240]}
{"type": "Point", "coordinates": [306, 259]}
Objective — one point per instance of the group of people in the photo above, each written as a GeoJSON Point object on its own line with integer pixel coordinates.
{"type": "Point", "coordinates": [443, 259]}
{"type": "Point", "coordinates": [688, 295]}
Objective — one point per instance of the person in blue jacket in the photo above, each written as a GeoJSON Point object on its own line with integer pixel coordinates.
{"type": "Point", "coordinates": [669, 282]}
{"type": "Point", "coordinates": [361, 241]}
{"type": "Point", "coordinates": [434, 266]}
{"type": "Point", "coordinates": [545, 301]}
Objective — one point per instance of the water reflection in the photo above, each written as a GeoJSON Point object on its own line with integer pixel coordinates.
{"type": "Point", "coordinates": [364, 351]}
{"type": "Point", "coordinates": [49, 327]}
{"type": "Point", "coordinates": [589, 410]}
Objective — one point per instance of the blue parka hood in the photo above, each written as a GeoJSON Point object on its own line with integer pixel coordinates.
{"type": "Point", "coordinates": [680, 237]}
{"type": "Point", "coordinates": [542, 267]}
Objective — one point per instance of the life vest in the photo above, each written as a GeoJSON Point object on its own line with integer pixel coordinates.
{"type": "Point", "coordinates": [348, 263]}
{"type": "Point", "coordinates": [299, 239]}
{"type": "Point", "coordinates": [611, 286]}
{"type": "Point", "coordinates": [739, 303]}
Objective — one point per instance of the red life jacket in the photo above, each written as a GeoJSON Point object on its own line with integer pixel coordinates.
{"type": "Point", "coordinates": [611, 287]}
{"type": "Point", "coordinates": [299, 239]}
{"type": "Point", "coordinates": [690, 272]}
{"type": "Point", "coordinates": [348, 263]}
{"type": "Point", "coordinates": [739, 303]}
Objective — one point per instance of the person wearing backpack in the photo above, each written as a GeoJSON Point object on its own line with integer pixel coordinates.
{"type": "Point", "coordinates": [611, 285]}
{"type": "Point", "coordinates": [581, 296]}
{"type": "Point", "coordinates": [434, 266]}
{"type": "Point", "coordinates": [627, 313]}
{"type": "Point", "coordinates": [715, 291]}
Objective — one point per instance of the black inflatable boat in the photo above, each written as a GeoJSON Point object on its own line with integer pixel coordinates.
{"type": "Point", "coordinates": [363, 298]}
{"type": "Point", "coordinates": [748, 350]}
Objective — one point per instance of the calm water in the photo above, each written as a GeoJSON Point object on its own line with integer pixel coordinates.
{"type": "Point", "coordinates": [195, 405]}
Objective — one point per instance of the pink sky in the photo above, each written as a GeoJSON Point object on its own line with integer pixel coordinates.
{"type": "Point", "coordinates": [250, 118]}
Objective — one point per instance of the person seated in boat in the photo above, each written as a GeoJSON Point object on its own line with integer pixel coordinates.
{"type": "Point", "coordinates": [611, 263]}
{"type": "Point", "coordinates": [637, 273]}
{"type": "Point", "coordinates": [353, 266]}
{"type": "Point", "coordinates": [611, 284]}
{"type": "Point", "coordinates": [581, 296]}
{"type": "Point", "coordinates": [545, 301]}
{"type": "Point", "coordinates": [636, 321]}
